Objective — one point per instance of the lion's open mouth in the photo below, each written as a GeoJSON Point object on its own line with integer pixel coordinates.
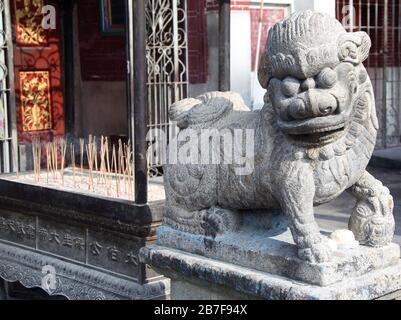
{"type": "Point", "coordinates": [315, 131]}
{"type": "Point", "coordinates": [319, 136]}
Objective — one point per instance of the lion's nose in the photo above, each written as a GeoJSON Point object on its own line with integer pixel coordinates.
{"type": "Point", "coordinates": [312, 103]}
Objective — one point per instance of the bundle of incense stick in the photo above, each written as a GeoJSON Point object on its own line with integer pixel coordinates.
{"type": "Point", "coordinates": [63, 147]}
{"type": "Point", "coordinates": [126, 168]}
{"type": "Point", "coordinates": [116, 176]}
{"type": "Point", "coordinates": [132, 166]}
{"type": "Point", "coordinates": [128, 165]}
{"type": "Point", "coordinates": [121, 157]}
{"type": "Point", "coordinates": [55, 158]}
{"type": "Point", "coordinates": [95, 156]}
{"type": "Point", "coordinates": [109, 182]}
{"type": "Point", "coordinates": [110, 170]}
{"type": "Point", "coordinates": [102, 161]}
{"type": "Point", "coordinates": [81, 149]}
{"type": "Point", "coordinates": [90, 152]}
{"type": "Point", "coordinates": [48, 161]}
{"type": "Point", "coordinates": [36, 153]}
{"type": "Point", "coordinates": [72, 160]}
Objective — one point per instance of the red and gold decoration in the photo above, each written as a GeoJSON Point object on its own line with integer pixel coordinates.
{"type": "Point", "coordinates": [38, 70]}
{"type": "Point", "coordinates": [35, 100]}
{"type": "Point", "coordinates": [29, 16]}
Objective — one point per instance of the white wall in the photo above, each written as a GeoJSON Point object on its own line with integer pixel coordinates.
{"type": "Point", "coordinates": [327, 6]}
{"type": "Point", "coordinates": [243, 80]}
{"type": "Point", "coordinates": [257, 92]}
{"type": "Point", "coordinates": [241, 54]}
{"type": "Point", "coordinates": [301, 5]}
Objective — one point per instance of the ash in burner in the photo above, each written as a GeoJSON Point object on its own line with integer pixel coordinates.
{"type": "Point", "coordinates": [102, 186]}
{"type": "Point", "coordinates": [93, 167]}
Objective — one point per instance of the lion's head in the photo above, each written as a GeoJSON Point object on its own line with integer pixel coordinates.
{"type": "Point", "coordinates": [315, 79]}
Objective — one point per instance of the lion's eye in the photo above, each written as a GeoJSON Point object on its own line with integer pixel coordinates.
{"type": "Point", "coordinates": [290, 86]}
{"type": "Point", "coordinates": [327, 78]}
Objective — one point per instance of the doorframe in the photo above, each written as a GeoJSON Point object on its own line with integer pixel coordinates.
{"type": "Point", "coordinates": [9, 146]}
{"type": "Point", "coordinates": [67, 16]}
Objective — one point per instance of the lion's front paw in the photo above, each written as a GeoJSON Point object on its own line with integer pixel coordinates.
{"type": "Point", "coordinates": [319, 252]}
{"type": "Point", "coordinates": [372, 220]}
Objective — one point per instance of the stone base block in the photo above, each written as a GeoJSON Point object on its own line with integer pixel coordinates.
{"type": "Point", "coordinates": [274, 252]}
{"type": "Point", "coordinates": [196, 277]}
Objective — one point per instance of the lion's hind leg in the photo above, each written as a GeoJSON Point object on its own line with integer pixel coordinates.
{"type": "Point", "coordinates": [209, 222]}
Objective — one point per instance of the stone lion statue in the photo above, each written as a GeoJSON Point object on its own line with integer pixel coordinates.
{"type": "Point", "coordinates": [314, 138]}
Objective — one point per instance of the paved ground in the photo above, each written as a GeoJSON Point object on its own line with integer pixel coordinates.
{"type": "Point", "coordinates": [335, 215]}
{"type": "Point", "coordinates": [390, 153]}
{"type": "Point", "coordinates": [387, 158]}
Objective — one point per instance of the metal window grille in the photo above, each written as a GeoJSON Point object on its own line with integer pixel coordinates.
{"type": "Point", "coordinates": [167, 56]}
{"type": "Point", "coordinates": [381, 19]}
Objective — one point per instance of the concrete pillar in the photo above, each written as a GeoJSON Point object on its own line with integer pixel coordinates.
{"type": "Point", "coordinates": [327, 6]}
{"type": "Point", "coordinates": [224, 44]}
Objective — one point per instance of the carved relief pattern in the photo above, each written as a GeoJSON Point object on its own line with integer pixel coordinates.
{"type": "Point", "coordinates": [116, 254]}
{"type": "Point", "coordinates": [29, 17]}
{"type": "Point", "coordinates": [35, 100]}
{"type": "Point", "coordinates": [17, 227]}
{"type": "Point", "coordinates": [73, 281]}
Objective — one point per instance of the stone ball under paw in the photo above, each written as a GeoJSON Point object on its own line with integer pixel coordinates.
{"type": "Point", "coordinates": [371, 228]}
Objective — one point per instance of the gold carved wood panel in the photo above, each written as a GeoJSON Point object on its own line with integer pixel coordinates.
{"type": "Point", "coordinates": [35, 99]}
{"type": "Point", "coordinates": [29, 17]}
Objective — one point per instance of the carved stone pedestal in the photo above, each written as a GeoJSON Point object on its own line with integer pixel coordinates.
{"type": "Point", "coordinates": [251, 264]}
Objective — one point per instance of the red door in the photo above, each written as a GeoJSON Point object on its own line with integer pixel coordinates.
{"type": "Point", "coordinates": [38, 71]}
